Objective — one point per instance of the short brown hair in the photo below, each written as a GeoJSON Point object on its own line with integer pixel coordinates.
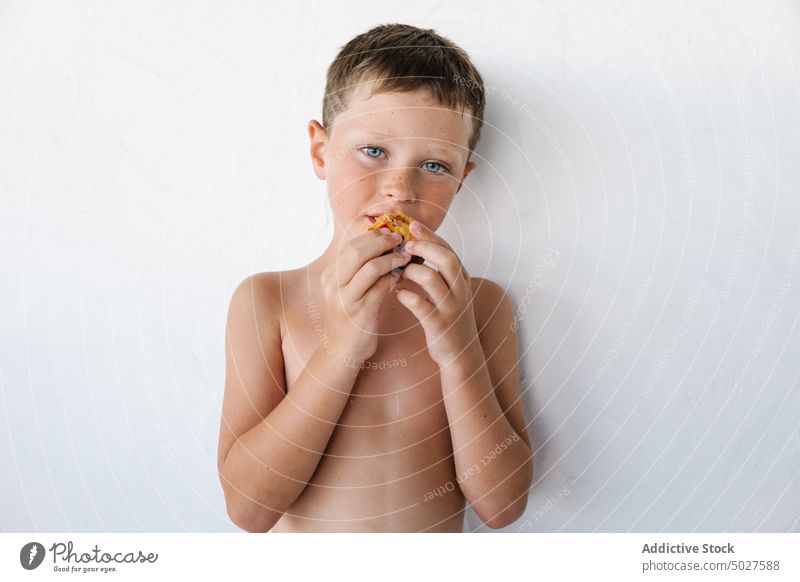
{"type": "Point", "coordinates": [400, 57]}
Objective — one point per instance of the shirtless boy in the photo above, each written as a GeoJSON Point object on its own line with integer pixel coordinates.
{"type": "Point", "coordinates": [355, 399]}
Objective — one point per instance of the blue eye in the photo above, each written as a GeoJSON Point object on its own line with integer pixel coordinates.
{"type": "Point", "coordinates": [369, 149]}
{"type": "Point", "coordinates": [374, 152]}
{"type": "Point", "coordinates": [440, 171]}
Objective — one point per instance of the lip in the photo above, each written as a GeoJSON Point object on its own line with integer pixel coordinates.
{"type": "Point", "coordinates": [371, 217]}
{"type": "Point", "coordinates": [377, 214]}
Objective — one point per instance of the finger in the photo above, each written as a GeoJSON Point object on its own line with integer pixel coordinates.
{"type": "Point", "coordinates": [431, 282]}
{"type": "Point", "coordinates": [380, 289]}
{"type": "Point", "coordinates": [416, 304]}
{"type": "Point", "coordinates": [360, 250]}
{"type": "Point", "coordinates": [422, 232]}
{"type": "Point", "coordinates": [447, 262]}
{"type": "Point", "coordinates": [373, 270]}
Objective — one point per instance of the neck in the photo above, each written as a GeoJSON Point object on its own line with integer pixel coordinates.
{"type": "Point", "coordinates": [318, 265]}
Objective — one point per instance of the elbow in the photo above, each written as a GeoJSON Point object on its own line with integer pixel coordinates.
{"type": "Point", "coordinates": [497, 519]}
{"type": "Point", "coordinates": [261, 524]}
{"type": "Point", "coordinates": [499, 513]}
{"type": "Point", "coordinates": [247, 514]}
{"type": "Point", "coordinates": [253, 521]}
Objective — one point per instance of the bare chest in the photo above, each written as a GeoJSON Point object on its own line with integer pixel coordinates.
{"type": "Point", "coordinates": [398, 384]}
{"type": "Point", "coordinates": [392, 442]}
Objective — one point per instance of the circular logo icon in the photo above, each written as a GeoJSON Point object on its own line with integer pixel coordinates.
{"type": "Point", "coordinates": [31, 555]}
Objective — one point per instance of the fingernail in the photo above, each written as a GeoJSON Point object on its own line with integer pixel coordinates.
{"type": "Point", "coordinates": [385, 230]}
{"type": "Point", "coordinates": [416, 227]}
{"type": "Point", "coordinates": [410, 246]}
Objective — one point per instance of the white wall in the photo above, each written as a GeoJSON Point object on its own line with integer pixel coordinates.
{"type": "Point", "coordinates": [154, 154]}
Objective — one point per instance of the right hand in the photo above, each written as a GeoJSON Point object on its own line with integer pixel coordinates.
{"type": "Point", "coordinates": [354, 287]}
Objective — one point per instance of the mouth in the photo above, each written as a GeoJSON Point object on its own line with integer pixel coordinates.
{"type": "Point", "coordinates": [371, 218]}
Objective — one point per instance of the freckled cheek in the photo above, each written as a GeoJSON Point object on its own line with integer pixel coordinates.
{"type": "Point", "coordinates": [349, 184]}
{"type": "Point", "coordinates": [439, 189]}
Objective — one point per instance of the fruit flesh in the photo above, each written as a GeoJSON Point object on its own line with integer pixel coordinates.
{"type": "Point", "coordinates": [399, 223]}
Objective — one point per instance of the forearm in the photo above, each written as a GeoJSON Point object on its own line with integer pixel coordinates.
{"type": "Point", "coordinates": [270, 465]}
{"type": "Point", "coordinates": [493, 463]}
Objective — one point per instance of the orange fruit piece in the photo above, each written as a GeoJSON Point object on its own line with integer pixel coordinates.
{"type": "Point", "coordinates": [397, 222]}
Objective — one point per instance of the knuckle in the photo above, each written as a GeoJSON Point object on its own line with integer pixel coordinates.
{"type": "Point", "coordinates": [372, 269]}
{"type": "Point", "coordinates": [427, 275]}
{"type": "Point", "coordinates": [415, 299]}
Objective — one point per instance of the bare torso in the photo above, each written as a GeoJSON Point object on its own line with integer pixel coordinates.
{"type": "Point", "coordinates": [391, 449]}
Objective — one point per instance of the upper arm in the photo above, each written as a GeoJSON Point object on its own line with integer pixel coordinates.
{"type": "Point", "coordinates": [254, 373]}
{"type": "Point", "coordinates": [494, 316]}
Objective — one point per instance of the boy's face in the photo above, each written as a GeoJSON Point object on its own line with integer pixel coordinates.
{"type": "Point", "coordinates": [391, 152]}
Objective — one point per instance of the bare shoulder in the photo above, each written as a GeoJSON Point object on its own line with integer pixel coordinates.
{"type": "Point", "coordinates": [488, 299]}
{"type": "Point", "coordinates": [267, 283]}
{"type": "Point", "coordinates": [258, 285]}
{"type": "Point", "coordinates": [262, 296]}
{"type": "Point", "coordinates": [254, 298]}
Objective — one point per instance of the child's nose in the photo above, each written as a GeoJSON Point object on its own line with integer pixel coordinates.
{"type": "Point", "coordinates": [399, 183]}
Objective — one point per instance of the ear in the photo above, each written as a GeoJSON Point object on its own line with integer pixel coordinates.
{"type": "Point", "coordinates": [319, 141]}
{"type": "Point", "coordinates": [467, 169]}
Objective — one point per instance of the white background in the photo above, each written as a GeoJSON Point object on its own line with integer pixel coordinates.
{"type": "Point", "coordinates": [153, 154]}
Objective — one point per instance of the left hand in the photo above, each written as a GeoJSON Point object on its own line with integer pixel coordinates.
{"type": "Point", "coordinates": [446, 314]}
